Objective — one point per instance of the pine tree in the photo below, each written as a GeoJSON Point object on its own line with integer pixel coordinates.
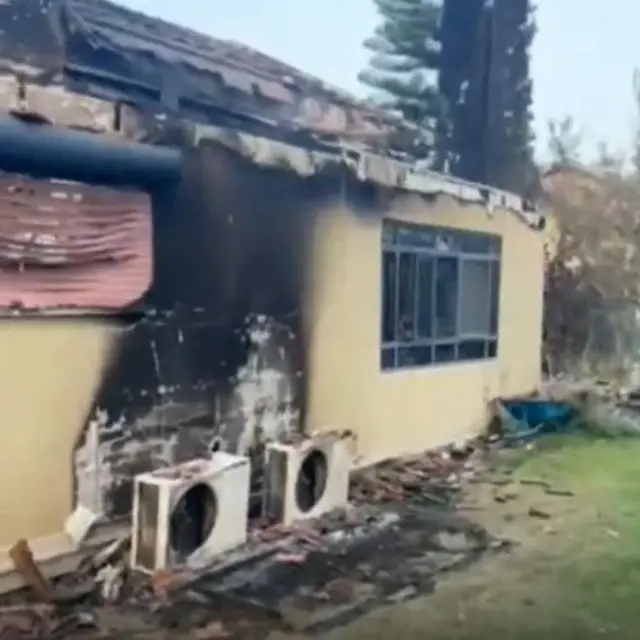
{"type": "Point", "coordinates": [460, 69]}
{"type": "Point", "coordinates": [405, 56]}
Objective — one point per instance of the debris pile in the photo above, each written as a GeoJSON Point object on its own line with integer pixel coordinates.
{"type": "Point", "coordinates": [601, 407]}
{"type": "Point", "coordinates": [604, 407]}
{"type": "Point", "coordinates": [356, 561]}
{"type": "Point", "coordinates": [434, 478]}
{"type": "Point", "coordinates": [406, 507]}
{"type": "Point", "coordinates": [58, 609]}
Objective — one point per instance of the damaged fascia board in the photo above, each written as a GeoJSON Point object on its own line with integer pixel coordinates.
{"type": "Point", "coordinates": [384, 171]}
{"type": "Point", "coordinates": [264, 152]}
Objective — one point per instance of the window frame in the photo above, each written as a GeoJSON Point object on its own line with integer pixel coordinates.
{"type": "Point", "coordinates": [393, 245]}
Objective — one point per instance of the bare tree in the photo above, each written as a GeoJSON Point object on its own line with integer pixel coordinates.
{"type": "Point", "coordinates": [636, 139]}
{"type": "Point", "coordinates": [592, 289]}
{"type": "Point", "coordinates": [592, 286]}
{"type": "Point", "coordinates": [565, 141]}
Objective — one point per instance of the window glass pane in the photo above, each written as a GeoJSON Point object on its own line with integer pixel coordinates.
{"type": "Point", "coordinates": [425, 297]}
{"type": "Point", "coordinates": [475, 294]}
{"type": "Point", "coordinates": [389, 233]}
{"type": "Point", "coordinates": [388, 296]}
{"type": "Point", "coordinates": [446, 297]}
{"type": "Point", "coordinates": [449, 298]}
{"type": "Point", "coordinates": [387, 358]}
{"type": "Point", "coordinates": [494, 300]}
{"type": "Point", "coordinates": [406, 328]}
{"type": "Point", "coordinates": [445, 353]}
{"type": "Point", "coordinates": [472, 350]}
{"type": "Point", "coordinates": [475, 242]}
{"type": "Point", "coordinates": [447, 241]}
{"type": "Point", "coordinates": [423, 237]}
{"type": "Point", "coordinates": [414, 356]}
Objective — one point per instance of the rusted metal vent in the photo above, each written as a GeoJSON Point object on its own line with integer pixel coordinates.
{"type": "Point", "coordinates": [68, 245]}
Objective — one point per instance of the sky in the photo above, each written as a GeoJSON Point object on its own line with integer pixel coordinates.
{"type": "Point", "coordinates": [583, 58]}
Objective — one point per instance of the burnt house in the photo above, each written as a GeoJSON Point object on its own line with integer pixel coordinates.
{"type": "Point", "coordinates": [201, 246]}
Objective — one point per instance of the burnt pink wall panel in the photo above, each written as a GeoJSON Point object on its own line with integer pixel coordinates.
{"type": "Point", "coordinates": [66, 245]}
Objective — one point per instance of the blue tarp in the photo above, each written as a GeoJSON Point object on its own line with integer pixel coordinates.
{"type": "Point", "coordinates": [534, 416]}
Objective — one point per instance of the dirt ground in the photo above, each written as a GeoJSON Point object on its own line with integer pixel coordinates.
{"type": "Point", "coordinates": [571, 508]}
{"type": "Point", "coordinates": [574, 572]}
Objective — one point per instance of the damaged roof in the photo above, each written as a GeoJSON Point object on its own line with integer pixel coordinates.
{"type": "Point", "coordinates": [115, 53]}
{"type": "Point", "coordinates": [264, 109]}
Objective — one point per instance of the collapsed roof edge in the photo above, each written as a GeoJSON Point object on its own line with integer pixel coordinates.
{"type": "Point", "coordinates": [367, 167]}
{"type": "Point", "coordinates": [273, 109]}
{"type": "Point", "coordinates": [199, 67]}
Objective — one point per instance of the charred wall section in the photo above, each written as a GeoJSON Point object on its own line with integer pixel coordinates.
{"type": "Point", "coordinates": [218, 355]}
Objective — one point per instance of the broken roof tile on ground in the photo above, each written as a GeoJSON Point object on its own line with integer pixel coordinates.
{"type": "Point", "coordinates": [407, 524]}
{"type": "Point", "coordinates": [391, 555]}
{"type": "Point", "coordinates": [307, 577]}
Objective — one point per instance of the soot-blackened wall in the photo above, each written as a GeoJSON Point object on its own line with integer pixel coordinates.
{"type": "Point", "coordinates": [219, 352]}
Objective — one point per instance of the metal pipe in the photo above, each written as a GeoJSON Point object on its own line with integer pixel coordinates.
{"type": "Point", "coordinates": [46, 151]}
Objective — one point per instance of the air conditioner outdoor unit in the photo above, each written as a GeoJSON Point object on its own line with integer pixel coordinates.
{"type": "Point", "coordinates": [195, 510]}
{"type": "Point", "coordinates": [307, 479]}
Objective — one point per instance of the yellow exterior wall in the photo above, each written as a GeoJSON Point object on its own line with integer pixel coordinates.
{"type": "Point", "coordinates": [407, 411]}
{"type": "Point", "coordinates": [50, 370]}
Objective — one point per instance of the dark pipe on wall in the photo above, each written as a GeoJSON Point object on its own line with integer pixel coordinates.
{"type": "Point", "coordinates": [42, 150]}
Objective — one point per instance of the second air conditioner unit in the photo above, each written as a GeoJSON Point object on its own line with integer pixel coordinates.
{"type": "Point", "coordinates": [307, 479]}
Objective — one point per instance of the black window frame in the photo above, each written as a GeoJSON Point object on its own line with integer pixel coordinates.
{"type": "Point", "coordinates": [427, 336]}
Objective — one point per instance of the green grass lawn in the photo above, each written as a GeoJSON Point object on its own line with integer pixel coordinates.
{"type": "Point", "coordinates": [574, 575]}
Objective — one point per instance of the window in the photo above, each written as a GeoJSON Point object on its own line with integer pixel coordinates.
{"type": "Point", "coordinates": [440, 295]}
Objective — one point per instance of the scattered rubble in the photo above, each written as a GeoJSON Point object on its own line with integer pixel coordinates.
{"type": "Point", "coordinates": [332, 565]}
{"type": "Point", "coordinates": [435, 478]}
{"type": "Point", "coordinates": [534, 512]}
{"type": "Point", "coordinates": [80, 523]}
{"type": "Point", "coordinates": [403, 528]}
{"type": "Point", "coordinates": [211, 631]}
{"type": "Point", "coordinates": [111, 580]}
{"type": "Point", "coordinates": [25, 621]}
{"type": "Point", "coordinates": [565, 493]}
{"type": "Point", "coordinates": [534, 482]}
{"type": "Point", "coordinates": [23, 562]}
{"type": "Point", "coordinates": [602, 407]}
{"type": "Point", "coordinates": [165, 583]}
{"type": "Point", "coordinates": [606, 406]}
{"type": "Point", "coordinates": [291, 558]}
